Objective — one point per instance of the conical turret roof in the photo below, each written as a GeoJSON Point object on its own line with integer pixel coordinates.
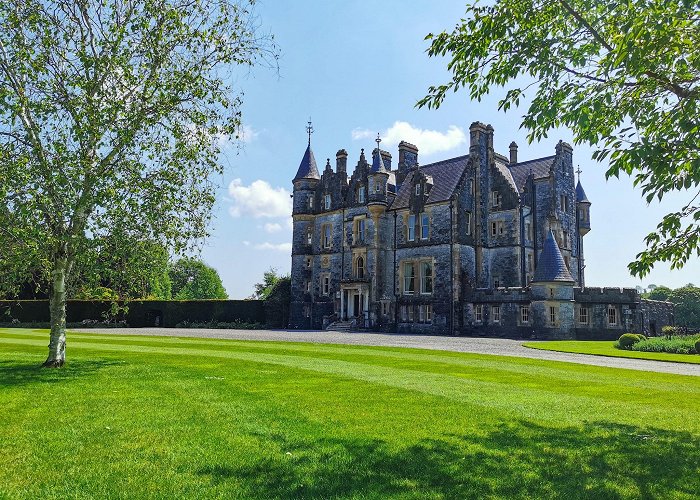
{"type": "Point", "coordinates": [581, 194]}
{"type": "Point", "coordinates": [377, 162]}
{"type": "Point", "coordinates": [551, 266]}
{"type": "Point", "coordinates": [307, 167]}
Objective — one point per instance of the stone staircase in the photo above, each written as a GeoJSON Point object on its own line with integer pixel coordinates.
{"type": "Point", "coordinates": [342, 326]}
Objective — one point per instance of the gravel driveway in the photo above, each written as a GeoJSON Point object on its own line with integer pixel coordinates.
{"type": "Point", "coordinates": [502, 347]}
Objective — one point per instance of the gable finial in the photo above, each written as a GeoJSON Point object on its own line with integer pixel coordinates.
{"type": "Point", "coordinates": [309, 130]}
{"type": "Point", "coordinates": [377, 140]}
{"type": "Point", "coordinates": [578, 171]}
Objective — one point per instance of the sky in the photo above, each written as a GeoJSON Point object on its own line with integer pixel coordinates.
{"type": "Point", "coordinates": [357, 68]}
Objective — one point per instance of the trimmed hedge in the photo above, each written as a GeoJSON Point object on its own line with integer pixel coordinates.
{"type": "Point", "coordinates": [627, 340]}
{"type": "Point", "coordinates": [139, 313]}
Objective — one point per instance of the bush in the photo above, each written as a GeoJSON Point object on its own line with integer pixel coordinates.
{"type": "Point", "coordinates": [697, 347]}
{"type": "Point", "coordinates": [627, 340]}
{"type": "Point", "coordinates": [669, 330]}
{"type": "Point", "coordinates": [641, 337]}
{"type": "Point", "coordinates": [675, 344]}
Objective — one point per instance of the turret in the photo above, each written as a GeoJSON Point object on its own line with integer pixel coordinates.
{"type": "Point", "coordinates": [377, 180]}
{"type": "Point", "coordinates": [305, 182]}
{"type": "Point", "coordinates": [582, 210]}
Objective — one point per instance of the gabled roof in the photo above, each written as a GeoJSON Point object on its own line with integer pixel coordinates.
{"type": "Point", "coordinates": [551, 266]}
{"type": "Point", "coordinates": [540, 169]}
{"type": "Point", "coordinates": [307, 167]}
{"type": "Point", "coordinates": [581, 194]}
{"type": "Point", "coordinates": [506, 173]}
{"type": "Point", "coordinates": [446, 175]}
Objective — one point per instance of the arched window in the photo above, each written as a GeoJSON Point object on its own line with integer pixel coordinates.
{"type": "Point", "coordinates": [360, 267]}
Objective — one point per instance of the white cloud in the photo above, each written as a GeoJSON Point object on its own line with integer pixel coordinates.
{"type": "Point", "coordinates": [259, 200]}
{"type": "Point", "coordinates": [279, 247]}
{"type": "Point", "coordinates": [272, 227]}
{"type": "Point", "coordinates": [248, 134]}
{"type": "Point", "coordinates": [428, 141]}
{"type": "Point", "coordinates": [246, 243]}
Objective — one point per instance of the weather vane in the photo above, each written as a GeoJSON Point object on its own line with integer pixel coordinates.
{"type": "Point", "coordinates": [377, 140]}
{"type": "Point", "coordinates": [578, 171]}
{"type": "Point", "coordinates": [309, 130]}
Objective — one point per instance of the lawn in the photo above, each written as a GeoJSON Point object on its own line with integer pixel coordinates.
{"type": "Point", "coordinates": [606, 348]}
{"type": "Point", "coordinates": [132, 417]}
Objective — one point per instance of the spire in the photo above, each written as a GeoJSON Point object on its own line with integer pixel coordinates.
{"type": "Point", "coordinates": [580, 193]}
{"type": "Point", "coordinates": [307, 167]}
{"type": "Point", "coordinates": [377, 162]}
{"type": "Point", "coordinates": [551, 266]}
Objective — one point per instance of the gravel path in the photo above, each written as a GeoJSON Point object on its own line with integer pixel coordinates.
{"type": "Point", "coordinates": [502, 347]}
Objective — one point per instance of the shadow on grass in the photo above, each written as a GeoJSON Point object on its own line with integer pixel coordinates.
{"type": "Point", "coordinates": [13, 373]}
{"type": "Point", "coordinates": [512, 460]}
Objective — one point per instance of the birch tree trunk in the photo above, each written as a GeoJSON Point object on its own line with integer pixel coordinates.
{"type": "Point", "coordinates": [57, 306]}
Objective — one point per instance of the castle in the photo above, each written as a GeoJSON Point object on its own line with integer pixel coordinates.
{"type": "Point", "coordinates": [479, 244]}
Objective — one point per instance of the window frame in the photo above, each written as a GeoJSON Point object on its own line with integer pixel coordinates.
{"type": "Point", "coordinates": [411, 236]}
{"type": "Point", "coordinates": [552, 316]}
{"type": "Point", "coordinates": [424, 226]}
{"type": "Point", "coordinates": [325, 284]}
{"type": "Point", "coordinates": [361, 194]}
{"type": "Point", "coordinates": [496, 314]}
{"type": "Point", "coordinates": [613, 316]}
{"type": "Point", "coordinates": [524, 314]}
{"type": "Point", "coordinates": [469, 222]}
{"type": "Point", "coordinates": [327, 201]}
{"type": "Point", "coordinates": [360, 269]}
{"type": "Point", "coordinates": [326, 236]}
{"type": "Point", "coordinates": [583, 315]}
{"type": "Point", "coordinates": [409, 287]}
{"type": "Point", "coordinates": [426, 279]}
{"type": "Point", "coordinates": [478, 313]}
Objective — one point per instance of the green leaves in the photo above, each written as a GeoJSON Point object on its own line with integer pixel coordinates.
{"type": "Point", "coordinates": [623, 76]}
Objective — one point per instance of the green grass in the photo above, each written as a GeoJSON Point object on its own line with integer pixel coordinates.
{"type": "Point", "coordinates": [607, 348]}
{"type": "Point", "coordinates": [132, 417]}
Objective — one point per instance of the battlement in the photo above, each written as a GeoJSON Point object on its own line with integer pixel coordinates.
{"type": "Point", "coordinates": [515, 294]}
{"type": "Point", "coordinates": [611, 295]}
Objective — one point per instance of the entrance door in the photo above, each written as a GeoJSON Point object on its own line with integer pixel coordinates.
{"type": "Point", "coordinates": [357, 304]}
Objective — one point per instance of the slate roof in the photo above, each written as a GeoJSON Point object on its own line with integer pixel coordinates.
{"type": "Point", "coordinates": [540, 169]}
{"type": "Point", "coordinates": [378, 162]}
{"type": "Point", "coordinates": [551, 266]}
{"type": "Point", "coordinates": [581, 194]}
{"type": "Point", "coordinates": [307, 167]}
{"type": "Point", "coordinates": [446, 175]}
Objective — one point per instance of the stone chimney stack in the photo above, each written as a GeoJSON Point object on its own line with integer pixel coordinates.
{"type": "Point", "coordinates": [341, 161]}
{"type": "Point", "coordinates": [513, 152]}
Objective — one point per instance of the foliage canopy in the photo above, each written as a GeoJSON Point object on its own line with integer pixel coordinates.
{"type": "Point", "coordinates": [623, 76]}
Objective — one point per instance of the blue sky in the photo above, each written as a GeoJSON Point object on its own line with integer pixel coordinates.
{"type": "Point", "coordinates": [358, 68]}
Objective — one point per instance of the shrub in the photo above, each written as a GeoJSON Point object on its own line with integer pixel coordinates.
{"type": "Point", "coordinates": [697, 347]}
{"type": "Point", "coordinates": [669, 330]}
{"type": "Point", "coordinates": [627, 340]}
{"type": "Point", "coordinates": [641, 337]}
{"type": "Point", "coordinates": [675, 344]}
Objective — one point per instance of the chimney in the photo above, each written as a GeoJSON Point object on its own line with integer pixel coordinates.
{"type": "Point", "coordinates": [513, 152]}
{"type": "Point", "coordinates": [408, 155]}
{"type": "Point", "coordinates": [341, 161]}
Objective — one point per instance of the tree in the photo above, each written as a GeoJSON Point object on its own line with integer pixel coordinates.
{"type": "Point", "coordinates": [623, 76]}
{"type": "Point", "coordinates": [192, 279]}
{"type": "Point", "coordinates": [113, 113]}
{"type": "Point", "coordinates": [659, 293]}
{"type": "Point", "coordinates": [263, 290]}
{"type": "Point", "coordinates": [687, 310]}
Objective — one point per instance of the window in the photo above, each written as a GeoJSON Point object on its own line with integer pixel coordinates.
{"type": "Point", "coordinates": [428, 313]}
{"type": "Point", "coordinates": [360, 268]}
{"type": "Point", "coordinates": [583, 315]}
{"type": "Point", "coordinates": [309, 236]}
{"type": "Point", "coordinates": [307, 311]}
{"type": "Point", "coordinates": [307, 287]}
{"type": "Point", "coordinates": [497, 228]}
{"type": "Point", "coordinates": [404, 313]}
{"type": "Point", "coordinates": [468, 218]}
{"type": "Point", "coordinates": [417, 189]}
{"type": "Point", "coordinates": [478, 313]}
{"type": "Point", "coordinates": [528, 231]}
{"type": "Point", "coordinates": [426, 277]}
{"type": "Point", "coordinates": [524, 315]}
{"type": "Point", "coordinates": [326, 284]}
{"type": "Point", "coordinates": [421, 314]}
{"type": "Point", "coordinates": [496, 282]}
{"type": "Point", "coordinates": [361, 194]}
{"type": "Point", "coordinates": [327, 201]}
{"type": "Point", "coordinates": [496, 313]}
{"type": "Point", "coordinates": [552, 315]}
{"type": "Point", "coordinates": [385, 308]}
{"type": "Point", "coordinates": [308, 263]}
{"type": "Point", "coordinates": [551, 293]}
{"type": "Point", "coordinates": [326, 236]}
{"type": "Point", "coordinates": [411, 228]}
{"type": "Point", "coordinates": [410, 313]}
{"type": "Point", "coordinates": [359, 231]}
{"type": "Point", "coordinates": [495, 199]}
{"type": "Point", "coordinates": [564, 202]}
{"type": "Point", "coordinates": [529, 262]}
{"type": "Point", "coordinates": [470, 186]}
{"type": "Point", "coordinates": [311, 201]}
{"type": "Point", "coordinates": [424, 226]}
{"type": "Point", "coordinates": [612, 315]}
{"type": "Point", "coordinates": [409, 277]}
{"type": "Point", "coordinates": [378, 187]}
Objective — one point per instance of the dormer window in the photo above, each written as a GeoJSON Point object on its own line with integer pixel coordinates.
{"type": "Point", "coordinates": [327, 201]}
{"type": "Point", "coordinates": [361, 194]}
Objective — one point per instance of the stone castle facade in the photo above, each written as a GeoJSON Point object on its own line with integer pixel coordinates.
{"type": "Point", "coordinates": [479, 244]}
